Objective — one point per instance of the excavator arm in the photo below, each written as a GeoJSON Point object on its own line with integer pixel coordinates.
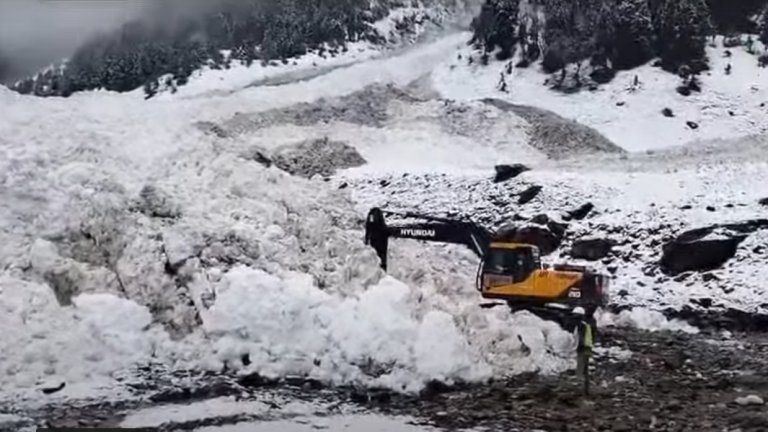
{"type": "Point", "coordinates": [430, 228]}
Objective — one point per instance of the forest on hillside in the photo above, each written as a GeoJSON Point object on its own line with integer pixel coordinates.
{"type": "Point", "coordinates": [615, 34]}
{"type": "Point", "coordinates": [612, 35]}
{"type": "Point", "coordinates": [143, 51]}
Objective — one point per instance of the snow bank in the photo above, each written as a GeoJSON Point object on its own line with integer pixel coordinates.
{"type": "Point", "coordinates": [46, 345]}
{"type": "Point", "coordinates": [383, 336]}
{"type": "Point", "coordinates": [644, 319]}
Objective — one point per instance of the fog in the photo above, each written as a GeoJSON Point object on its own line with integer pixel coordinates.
{"type": "Point", "coordinates": [36, 33]}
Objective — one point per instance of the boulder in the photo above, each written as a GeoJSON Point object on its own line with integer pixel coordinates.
{"type": "Point", "coordinates": [591, 249]}
{"type": "Point", "coordinates": [506, 172]}
{"type": "Point", "coordinates": [529, 194]}
{"type": "Point", "coordinates": [542, 237]}
{"type": "Point", "coordinates": [581, 212]}
{"type": "Point", "coordinates": [763, 201]}
{"type": "Point", "coordinates": [703, 249]}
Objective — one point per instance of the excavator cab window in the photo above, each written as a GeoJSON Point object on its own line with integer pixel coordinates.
{"type": "Point", "coordinates": [518, 263]}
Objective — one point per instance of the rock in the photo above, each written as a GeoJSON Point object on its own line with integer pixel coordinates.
{"type": "Point", "coordinates": [667, 112]}
{"type": "Point", "coordinates": [528, 195]}
{"type": "Point", "coordinates": [581, 212]}
{"type": "Point", "coordinates": [591, 249]}
{"type": "Point", "coordinates": [710, 208]}
{"type": "Point", "coordinates": [694, 250]}
{"type": "Point", "coordinates": [257, 155]}
{"type": "Point", "coordinates": [541, 237]}
{"type": "Point", "coordinates": [51, 390]}
{"type": "Point", "coordinates": [763, 201]}
{"type": "Point", "coordinates": [506, 172]}
{"type": "Point", "coordinates": [750, 400]}
{"type": "Point", "coordinates": [541, 219]}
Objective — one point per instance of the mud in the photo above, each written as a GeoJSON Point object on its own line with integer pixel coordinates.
{"type": "Point", "coordinates": [639, 381]}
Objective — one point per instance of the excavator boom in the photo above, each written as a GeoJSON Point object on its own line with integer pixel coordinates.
{"type": "Point", "coordinates": [436, 229]}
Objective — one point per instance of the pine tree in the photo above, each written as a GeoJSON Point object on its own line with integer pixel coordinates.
{"type": "Point", "coordinates": [633, 40]}
{"type": "Point", "coordinates": [763, 29]}
{"type": "Point", "coordinates": [682, 29]}
{"type": "Point", "coordinates": [496, 26]}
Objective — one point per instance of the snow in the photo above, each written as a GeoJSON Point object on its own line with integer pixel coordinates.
{"type": "Point", "coordinates": [261, 263]}
{"type": "Point", "coordinates": [268, 264]}
{"type": "Point", "coordinates": [638, 124]}
{"type": "Point", "coordinates": [99, 335]}
{"type": "Point", "coordinates": [350, 423]}
{"type": "Point", "coordinates": [211, 408]}
{"type": "Point", "coordinates": [644, 319]}
{"type": "Point", "coordinates": [207, 81]}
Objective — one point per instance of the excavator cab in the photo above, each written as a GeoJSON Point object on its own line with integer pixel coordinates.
{"type": "Point", "coordinates": [508, 271]}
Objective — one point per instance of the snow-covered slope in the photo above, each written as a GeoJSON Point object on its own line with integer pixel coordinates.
{"type": "Point", "coordinates": [105, 196]}
{"type": "Point", "coordinates": [631, 116]}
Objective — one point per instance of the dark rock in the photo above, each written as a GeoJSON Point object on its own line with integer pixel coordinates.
{"type": "Point", "coordinates": [384, 183]}
{"type": "Point", "coordinates": [254, 380]}
{"type": "Point", "coordinates": [667, 112]}
{"type": "Point", "coordinates": [763, 201]}
{"type": "Point", "coordinates": [692, 125]}
{"type": "Point", "coordinates": [686, 207]}
{"type": "Point", "coordinates": [506, 172]}
{"type": "Point", "coordinates": [709, 277]}
{"type": "Point", "coordinates": [343, 186]}
{"type": "Point", "coordinates": [557, 228]}
{"type": "Point", "coordinates": [541, 219]}
{"type": "Point", "coordinates": [528, 195]}
{"type": "Point", "coordinates": [258, 156]}
{"type": "Point", "coordinates": [51, 390]}
{"type": "Point", "coordinates": [704, 302]}
{"type": "Point", "coordinates": [543, 238]}
{"type": "Point", "coordinates": [591, 249]}
{"type": "Point", "coordinates": [710, 209]}
{"type": "Point", "coordinates": [581, 212]}
{"type": "Point", "coordinates": [692, 250]}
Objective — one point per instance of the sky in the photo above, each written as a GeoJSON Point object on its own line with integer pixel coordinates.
{"type": "Point", "coordinates": [36, 33]}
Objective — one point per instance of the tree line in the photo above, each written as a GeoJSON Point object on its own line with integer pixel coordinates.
{"type": "Point", "coordinates": [140, 53]}
{"type": "Point", "coordinates": [613, 34]}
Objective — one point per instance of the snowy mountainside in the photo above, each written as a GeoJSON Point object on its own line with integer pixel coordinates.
{"type": "Point", "coordinates": [630, 115]}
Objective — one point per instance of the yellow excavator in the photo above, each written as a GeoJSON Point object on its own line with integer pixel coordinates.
{"type": "Point", "coordinates": [508, 271]}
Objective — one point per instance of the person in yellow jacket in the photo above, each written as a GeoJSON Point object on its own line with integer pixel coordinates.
{"type": "Point", "coordinates": [584, 333]}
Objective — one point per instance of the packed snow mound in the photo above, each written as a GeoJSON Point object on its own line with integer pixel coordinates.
{"type": "Point", "coordinates": [629, 113]}
{"type": "Point", "coordinates": [46, 345]}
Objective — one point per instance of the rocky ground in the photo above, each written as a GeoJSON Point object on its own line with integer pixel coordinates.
{"type": "Point", "coordinates": [711, 381]}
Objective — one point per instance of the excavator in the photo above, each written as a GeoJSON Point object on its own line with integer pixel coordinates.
{"type": "Point", "coordinates": [508, 271]}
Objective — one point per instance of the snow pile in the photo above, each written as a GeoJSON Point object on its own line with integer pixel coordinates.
{"type": "Point", "coordinates": [644, 319]}
{"type": "Point", "coordinates": [46, 345]}
{"type": "Point", "coordinates": [730, 105]}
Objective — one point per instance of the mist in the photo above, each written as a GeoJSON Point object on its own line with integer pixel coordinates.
{"type": "Point", "coordinates": [37, 33]}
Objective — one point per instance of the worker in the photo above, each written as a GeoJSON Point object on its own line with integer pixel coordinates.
{"type": "Point", "coordinates": [584, 330]}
